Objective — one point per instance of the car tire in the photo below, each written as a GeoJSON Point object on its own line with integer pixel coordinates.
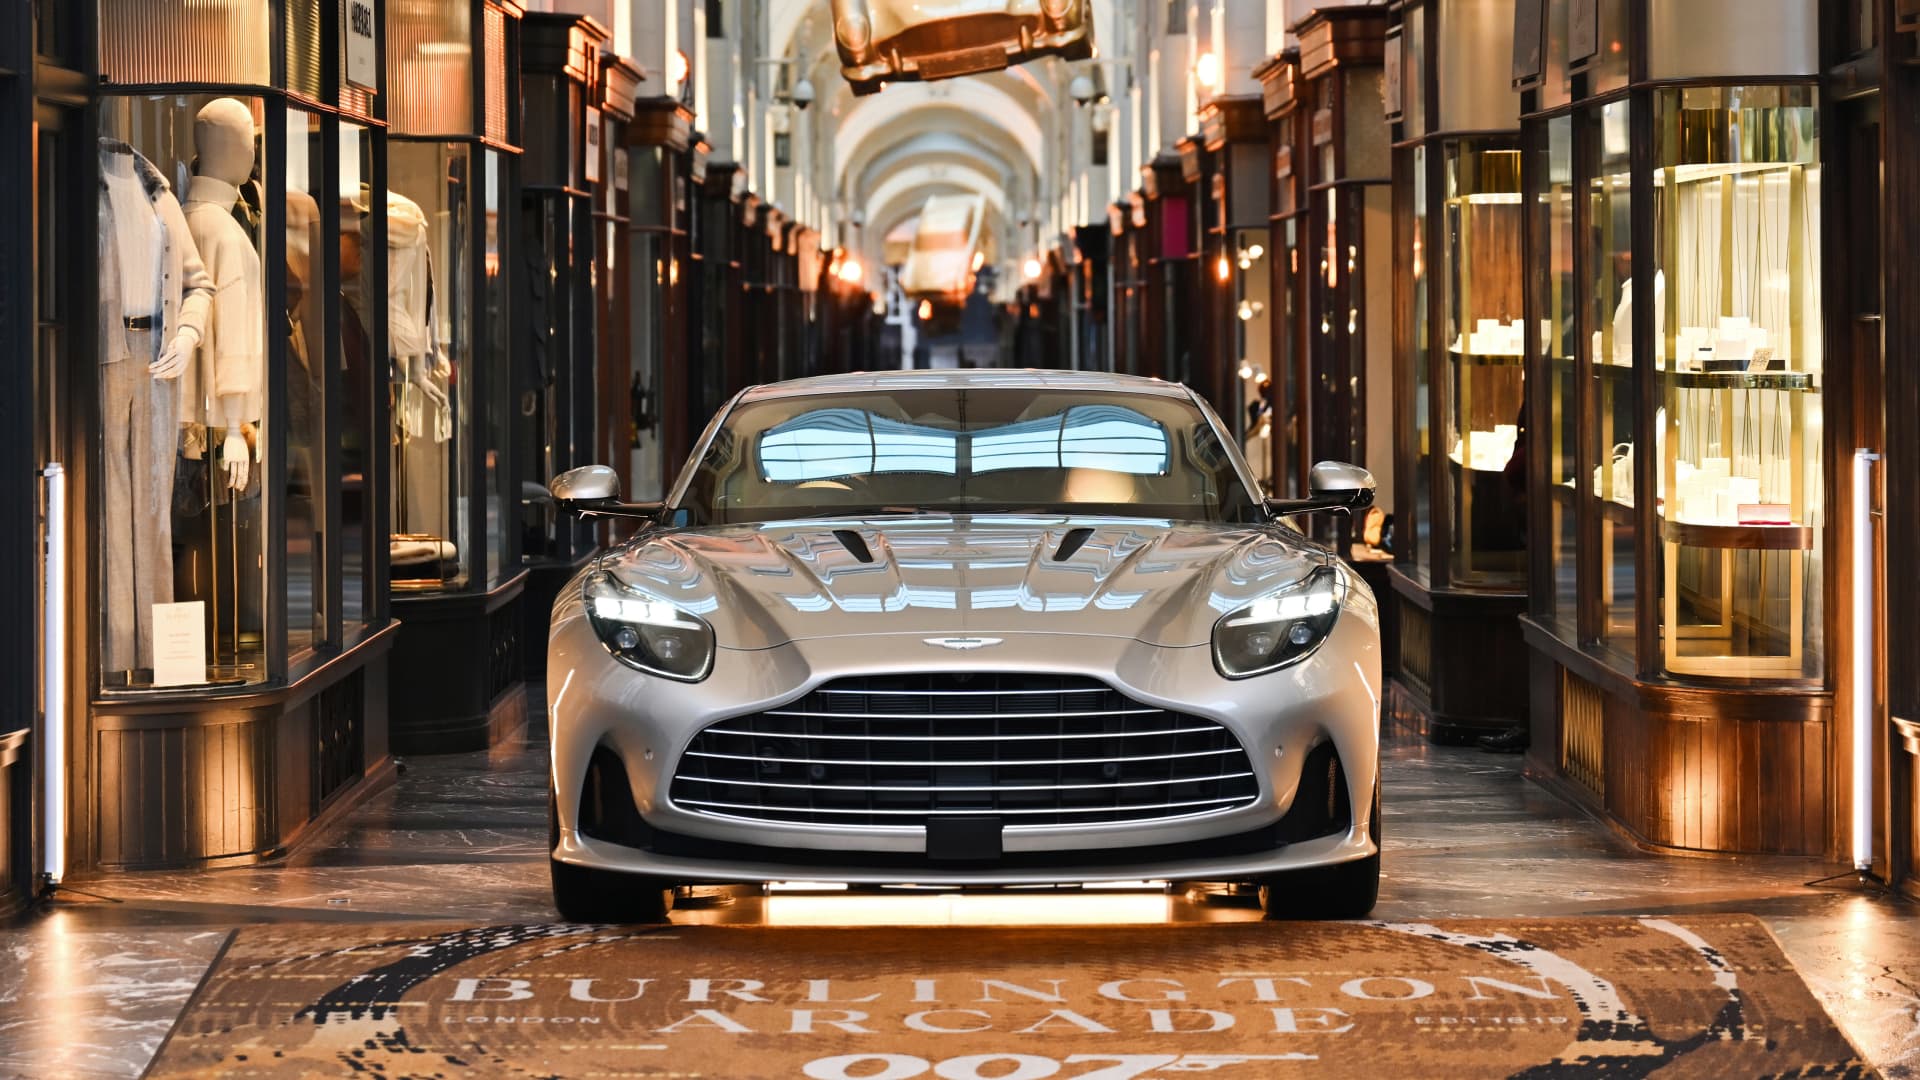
{"type": "Point", "coordinates": [1342, 891]}
{"type": "Point", "coordinates": [591, 895]}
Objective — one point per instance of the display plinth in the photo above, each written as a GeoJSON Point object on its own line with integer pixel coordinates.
{"type": "Point", "coordinates": [457, 684]}
{"type": "Point", "coordinates": [16, 802]}
{"type": "Point", "coordinates": [1681, 766]}
{"type": "Point", "coordinates": [235, 779]}
{"type": "Point", "coordinates": [1459, 661]}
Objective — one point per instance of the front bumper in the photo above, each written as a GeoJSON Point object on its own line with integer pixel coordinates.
{"type": "Point", "coordinates": [598, 704]}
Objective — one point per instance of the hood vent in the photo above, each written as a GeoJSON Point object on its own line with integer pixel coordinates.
{"type": "Point", "coordinates": [1071, 545]}
{"type": "Point", "coordinates": [855, 546]}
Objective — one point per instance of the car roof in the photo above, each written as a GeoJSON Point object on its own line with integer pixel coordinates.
{"type": "Point", "coordinates": [950, 378]}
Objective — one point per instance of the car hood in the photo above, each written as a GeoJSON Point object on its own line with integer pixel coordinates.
{"type": "Point", "coordinates": [1161, 582]}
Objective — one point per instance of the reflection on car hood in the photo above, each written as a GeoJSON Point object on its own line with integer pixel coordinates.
{"type": "Point", "coordinates": [1161, 582]}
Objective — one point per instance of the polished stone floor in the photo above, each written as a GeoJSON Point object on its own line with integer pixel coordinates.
{"type": "Point", "coordinates": [91, 984]}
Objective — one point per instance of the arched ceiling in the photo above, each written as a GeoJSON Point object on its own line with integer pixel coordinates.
{"type": "Point", "coordinates": [920, 147]}
{"type": "Point", "coordinates": [961, 103]}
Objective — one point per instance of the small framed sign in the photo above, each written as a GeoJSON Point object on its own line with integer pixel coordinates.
{"type": "Point", "coordinates": [1396, 65]}
{"type": "Point", "coordinates": [1583, 31]}
{"type": "Point", "coordinates": [594, 150]}
{"type": "Point", "coordinates": [362, 34]}
{"type": "Point", "coordinates": [1529, 43]}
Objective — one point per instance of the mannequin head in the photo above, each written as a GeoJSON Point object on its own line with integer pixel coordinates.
{"type": "Point", "coordinates": [223, 140]}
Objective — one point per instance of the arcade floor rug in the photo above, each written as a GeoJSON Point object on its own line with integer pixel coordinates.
{"type": "Point", "coordinates": [1614, 997]}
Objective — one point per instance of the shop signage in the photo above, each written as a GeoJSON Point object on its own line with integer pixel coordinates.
{"type": "Point", "coordinates": [1529, 41]}
{"type": "Point", "coordinates": [593, 145]}
{"type": "Point", "coordinates": [1395, 68]}
{"type": "Point", "coordinates": [363, 44]}
{"type": "Point", "coordinates": [1583, 30]}
{"type": "Point", "coordinates": [180, 643]}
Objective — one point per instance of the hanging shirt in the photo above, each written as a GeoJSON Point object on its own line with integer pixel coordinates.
{"type": "Point", "coordinates": [232, 359]}
{"type": "Point", "coordinates": [137, 241]}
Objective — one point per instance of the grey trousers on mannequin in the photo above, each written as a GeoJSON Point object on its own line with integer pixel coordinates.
{"type": "Point", "coordinates": [139, 415]}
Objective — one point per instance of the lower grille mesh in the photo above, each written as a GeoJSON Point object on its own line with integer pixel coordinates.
{"type": "Point", "coordinates": [897, 750]}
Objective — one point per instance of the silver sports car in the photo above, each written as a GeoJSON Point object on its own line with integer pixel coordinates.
{"type": "Point", "coordinates": [965, 628]}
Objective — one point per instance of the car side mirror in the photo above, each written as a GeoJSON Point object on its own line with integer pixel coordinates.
{"type": "Point", "coordinates": [1332, 485]}
{"type": "Point", "coordinates": [594, 491]}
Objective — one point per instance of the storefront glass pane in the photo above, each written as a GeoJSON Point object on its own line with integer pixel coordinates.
{"type": "Point", "coordinates": [429, 330]}
{"type": "Point", "coordinates": [358, 369]}
{"type": "Point", "coordinates": [1738, 224]}
{"type": "Point", "coordinates": [1554, 290]}
{"type": "Point", "coordinates": [1419, 538]}
{"type": "Point", "coordinates": [1486, 346]}
{"type": "Point", "coordinates": [182, 335]}
{"type": "Point", "coordinates": [1607, 144]}
{"type": "Point", "coordinates": [307, 352]}
{"type": "Point", "coordinates": [1250, 327]}
{"type": "Point", "coordinates": [497, 343]}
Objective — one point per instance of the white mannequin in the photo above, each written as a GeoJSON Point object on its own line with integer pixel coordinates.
{"type": "Point", "coordinates": [155, 295]}
{"type": "Point", "coordinates": [228, 391]}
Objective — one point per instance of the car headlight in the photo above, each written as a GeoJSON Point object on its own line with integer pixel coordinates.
{"type": "Point", "coordinates": [1281, 629]}
{"type": "Point", "coordinates": [648, 634]}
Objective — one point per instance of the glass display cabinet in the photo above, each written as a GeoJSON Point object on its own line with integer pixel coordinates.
{"type": "Point", "coordinates": [452, 202]}
{"type": "Point", "coordinates": [1677, 621]}
{"type": "Point", "coordinates": [228, 487]}
{"type": "Point", "coordinates": [554, 372]}
{"type": "Point", "coordinates": [1460, 570]}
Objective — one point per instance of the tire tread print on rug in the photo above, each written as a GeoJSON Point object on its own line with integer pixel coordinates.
{"type": "Point", "coordinates": [1549, 998]}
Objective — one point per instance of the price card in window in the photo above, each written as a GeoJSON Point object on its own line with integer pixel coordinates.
{"type": "Point", "coordinates": [179, 643]}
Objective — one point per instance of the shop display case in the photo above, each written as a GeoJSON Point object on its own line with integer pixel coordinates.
{"type": "Point", "coordinates": [1678, 623]}
{"type": "Point", "coordinates": [453, 202]}
{"type": "Point", "coordinates": [228, 482]}
{"type": "Point", "coordinates": [1460, 572]}
{"type": "Point", "coordinates": [554, 373]}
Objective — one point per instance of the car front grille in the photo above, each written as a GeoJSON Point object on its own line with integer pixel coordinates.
{"type": "Point", "coordinates": [900, 750]}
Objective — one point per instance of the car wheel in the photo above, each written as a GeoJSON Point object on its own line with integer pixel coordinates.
{"type": "Point", "coordinates": [588, 894]}
{"type": "Point", "coordinates": [1344, 891]}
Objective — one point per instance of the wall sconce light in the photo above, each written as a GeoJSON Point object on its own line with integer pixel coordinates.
{"type": "Point", "coordinates": [1206, 69]}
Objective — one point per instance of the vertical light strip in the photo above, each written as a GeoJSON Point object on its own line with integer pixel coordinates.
{"type": "Point", "coordinates": [53, 645]}
{"type": "Point", "coordinates": [1863, 646]}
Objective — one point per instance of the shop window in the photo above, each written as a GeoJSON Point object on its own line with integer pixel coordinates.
{"type": "Point", "coordinates": [186, 41]}
{"type": "Point", "coordinates": [1418, 540]}
{"type": "Point", "coordinates": [1738, 339]}
{"type": "Point", "coordinates": [1552, 169]}
{"type": "Point", "coordinates": [307, 333]}
{"type": "Point", "coordinates": [1609, 273]}
{"type": "Point", "coordinates": [1486, 346]}
{"type": "Point", "coordinates": [429, 328]}
{"type": "Point", "coordinates": [360, 371]}
{"type": "Point", "coordinates": [496, 343]}
{"type": "Point", "coordinates": [183, 350]}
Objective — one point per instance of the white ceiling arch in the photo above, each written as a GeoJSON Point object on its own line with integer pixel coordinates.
{"type": "Point", "coordinates": [917, 103]}
{"type": "Point", "coordinates": [939, 144]}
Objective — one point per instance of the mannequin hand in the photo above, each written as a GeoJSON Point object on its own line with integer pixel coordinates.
{"type": "Point", "coordinates": [423, 380]}
{"type": "Point", "coordinates": [175, 356]}
{"type": "Point", "coordinates": [236, 458]}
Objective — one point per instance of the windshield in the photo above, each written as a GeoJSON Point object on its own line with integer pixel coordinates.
{"type": "Point", "coordinates": [966, 451]}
